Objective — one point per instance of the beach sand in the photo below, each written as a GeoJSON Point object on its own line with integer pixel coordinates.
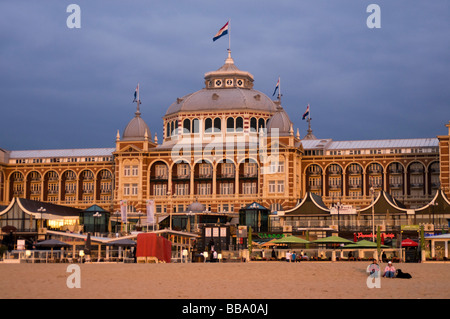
{"type": "Point", "coordinates": [253, 280]}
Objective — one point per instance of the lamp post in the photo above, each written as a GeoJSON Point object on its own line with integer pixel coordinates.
{"type": "Point", "coordinates": [41, 210]}
{"type": "Point", "coordinates": [140, 214]}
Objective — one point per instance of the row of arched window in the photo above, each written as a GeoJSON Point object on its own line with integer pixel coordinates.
{"type": "Point", "coordinates": [214, 125]}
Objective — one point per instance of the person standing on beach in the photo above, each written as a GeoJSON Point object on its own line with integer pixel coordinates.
{"type": "Point", "coordinates": [389, 271]}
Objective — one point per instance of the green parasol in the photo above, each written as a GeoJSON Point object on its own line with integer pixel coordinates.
{"type": "Point", "coordinates": [291, 240]}
{"type": "Point", "coordinates": [332, 240]}
{"type": "Point", "coordinates": [365, 244]}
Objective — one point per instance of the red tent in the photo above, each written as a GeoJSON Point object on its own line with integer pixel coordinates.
{"type": "Point", "coordinates": [409, 243]}
{"type": "Point", "coordinates": [151, 245]}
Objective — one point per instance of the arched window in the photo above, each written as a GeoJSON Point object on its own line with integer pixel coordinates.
{"type": "Point", "coordinates": [239, 124]}
{"type": "Point", "coordinates": [195, 126]}
{"type": "Point", "coordinates": [176, 128]}
{"type": "Point", "coordinates": [168, 129]}
{"type": "Point", "coordinates": [261, 123]}
{"type": "Point", "coordinates": [171, 128]}
{"type": "Point", "coordinates": [230, 124]}
{"type": "Point", "coordinates": [253, 125]}
{"type": "Point", "coordinates": [187, 126]}
{"type": "Point", "coordinates": [208, 125]}
{"type": "Point", "coordinates": [217, 125]}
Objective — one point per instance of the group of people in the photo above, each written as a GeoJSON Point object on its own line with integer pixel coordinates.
{"type": "Point", "coordinates": [293, 257]}
{"type": "Point", "coordinates": [389, 270]}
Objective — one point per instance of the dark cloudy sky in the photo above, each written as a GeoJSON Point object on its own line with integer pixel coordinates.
{"type": "Point", "coordinates": [73, 88]}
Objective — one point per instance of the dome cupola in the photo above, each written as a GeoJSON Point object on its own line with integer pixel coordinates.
{"type": "Point", "coordinates": [137, 129]}
{"type": "Point", "coordinates": [280, 120]}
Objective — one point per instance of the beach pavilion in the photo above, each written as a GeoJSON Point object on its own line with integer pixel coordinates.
{"type": "Point", "coordinates": [445, 238]}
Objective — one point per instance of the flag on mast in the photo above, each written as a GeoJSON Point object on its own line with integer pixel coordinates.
{"type": "Point", "coordinates": [136, 94]}
{"type": "Point", "coordinates": [223, 31]}
{"type": "Point", "coordinates": [306, 113]}
{"type": "Point", "coordinates": [277, 87]}
{"type": "Point", "coordinates": [123, 210]}
{"type": "Point", "coordinates": [150, 211]}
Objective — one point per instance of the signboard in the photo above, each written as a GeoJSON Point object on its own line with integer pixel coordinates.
{"type": "Point", "coordinates": [242, 232]}
{"type": "Point", "coordinates": [20, 244]}
{"type": "Point", "coordinates": [410, 227]}
{"type": "Point", "coordinates": [386, 235]}
{"type": "Point", "coordinates": [343, 210]}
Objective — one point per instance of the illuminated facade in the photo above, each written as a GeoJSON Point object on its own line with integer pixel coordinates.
{"type": "Point", "coordinates": [226, 146]}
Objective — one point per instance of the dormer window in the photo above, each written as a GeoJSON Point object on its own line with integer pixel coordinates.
{"type": "Point", "coordinates": [218, 83]}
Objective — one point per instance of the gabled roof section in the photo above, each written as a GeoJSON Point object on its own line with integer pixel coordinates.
{"type": "Point", "coordinates": [383, 204]}
{"type": "Point", "coordinates": [438, 205]}
{"type": "Point", "coordinates": [256, 205]}
{"type": "Point", "coordinates": [94, 208]}
{"type": "Point", "coordinates": [311, 204]}
{"type": "Point", "coordinates": [31, 207]}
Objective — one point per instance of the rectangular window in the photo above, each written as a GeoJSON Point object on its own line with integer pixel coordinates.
{"type": "Point", "coordinates": [250, 169]}
{"type": "Point", "coordinates": [272, 187]}
{"type": "Point", "coordinates": [161, 171]}
{"type": "Point", "coordinates": [226, 188]}
{"type": "Point", "coordinates": [135, 170]}
{"type": "Point", "coordinates": [134, 189]}
{"type": "Point", "coordinates": [227, 170]}
{"type": "Point", "coordinates": [183, 170]}
{"type": "Point", "coordinates": [204, 189]}
{"type": "Point", "coordinates": [182, 189]}
{"type": "Point", "coordinates": [205, 170]}
{"type": "Point", "coordinates": [249, 188]}
{"type": "Point", "coordinates": [127, 170]}
{"type": "Point", "coordinates": [126, 189]}
{"type": "Point", "coordinates": [159, 189]}
{"type": "Point", "coordinates": [280, 186]}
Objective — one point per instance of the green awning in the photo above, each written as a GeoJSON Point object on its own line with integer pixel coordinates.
{"type": "Point", "coordinates": [332, 240]}
{"type": "Point", "coordinates": [291, 240]}
{"type": "Point", "coordinates": [364, 244]}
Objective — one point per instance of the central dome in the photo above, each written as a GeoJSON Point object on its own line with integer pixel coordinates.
{"type": "Point", "coordinates": [223, 99]}
{"type": "Point", "coordinates": [136, 129]}
{"type": "Point", "coordinates": [226, 89]}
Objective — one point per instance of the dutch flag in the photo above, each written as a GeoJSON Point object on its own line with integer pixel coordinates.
{"type": "Point", "coordinates": [136, 94]}
{"type": "Point", "coordinates": [276, 87]}
{"type": "Point", "coordinates": [222, 32]}
{"type": "Point", "coordinates": [306, 113]}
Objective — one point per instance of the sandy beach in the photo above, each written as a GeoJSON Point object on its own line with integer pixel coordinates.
{"type": "Point", "coordinates": [253, 280]}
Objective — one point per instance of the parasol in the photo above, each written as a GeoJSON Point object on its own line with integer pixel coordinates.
{"type": "Point", "coordinates": [409, 243]}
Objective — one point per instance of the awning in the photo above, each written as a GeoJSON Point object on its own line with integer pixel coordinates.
{"type": "Point", "coordinates": [409, 243]}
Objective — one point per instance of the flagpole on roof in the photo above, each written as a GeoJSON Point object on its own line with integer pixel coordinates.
{"type": "Point", "coordinates": [279, 90]}
{"type": "Point", "coordinates": [229, 35]}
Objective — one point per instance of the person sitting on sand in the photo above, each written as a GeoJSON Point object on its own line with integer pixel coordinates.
{"type": "Point", "coordinates": [373, 269]}
{"type": "Point", "coordinates": [389, 271]}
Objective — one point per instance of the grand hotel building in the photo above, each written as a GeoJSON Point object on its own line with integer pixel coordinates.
{"type": "Point", "coordinates": [226, 146]}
